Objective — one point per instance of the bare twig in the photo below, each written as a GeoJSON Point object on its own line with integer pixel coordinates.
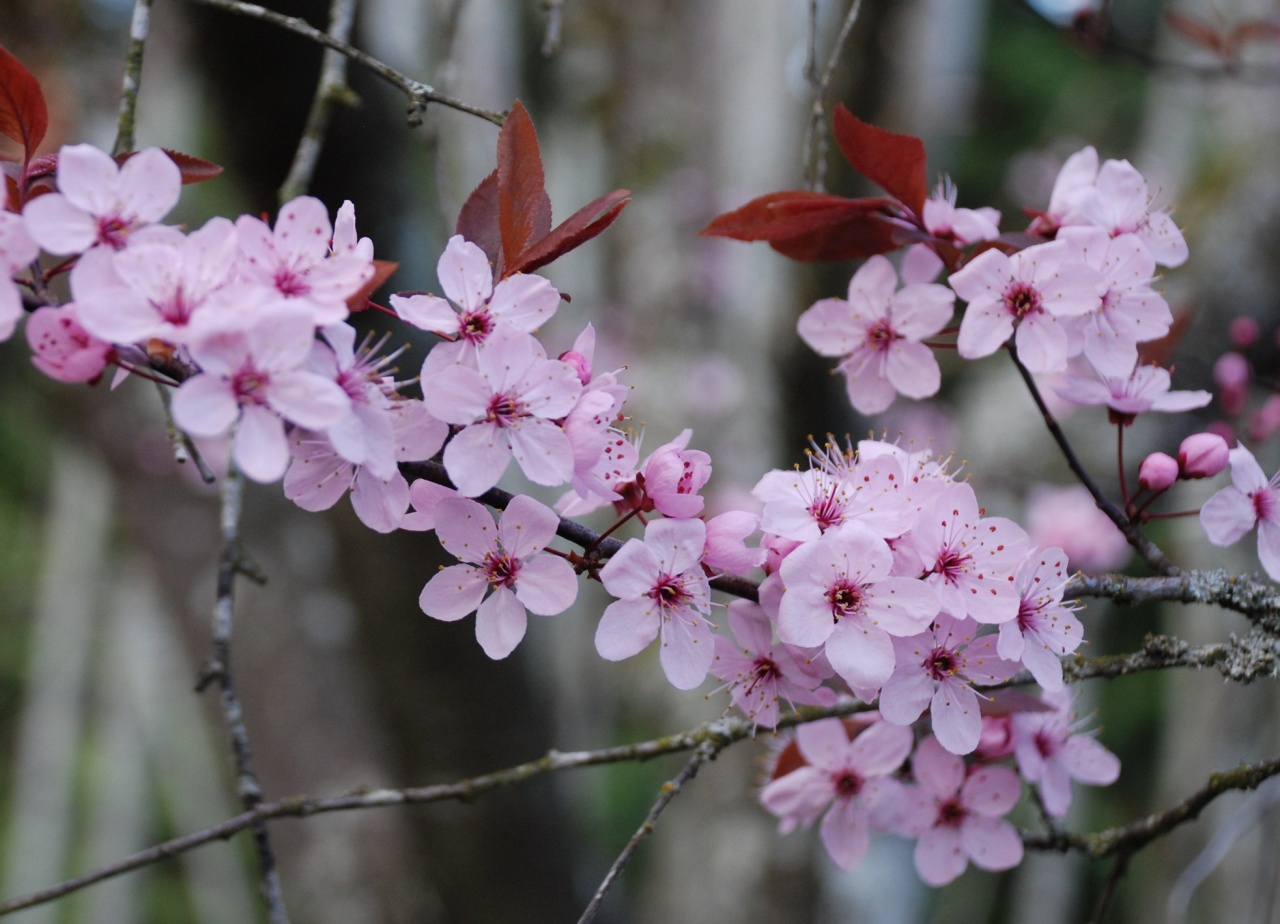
{"type": "Point", "coordinates": [219, 671]}
{"type": "Point", "coordinates": [706, 751]}
{"type": "Point", "coordinates": [814, 154]}
{"type": "Point", "coordinates": [419, 94]}
{"type": "Point", "coordinates": [331, 89]}
{"type": "Point", "coordinates": [1139, 540]}
{"type": "Point", "coordinates": [1251, 596]}
{"type": "Point", "coordinates": [127, 120]}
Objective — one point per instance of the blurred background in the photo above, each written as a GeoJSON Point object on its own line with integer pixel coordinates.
{"type": "Point", "coordinates": [108, 548]}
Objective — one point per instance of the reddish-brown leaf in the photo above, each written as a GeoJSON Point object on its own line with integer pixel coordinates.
{"type": "Point", "coordinates": [811, 226]}
{"type": "Point", "coordinates": [193, 169]}
{"type": "Point", "coordinates": [573, 232]}
{"type": "Point", "coordinates": [382, 270]}
{"type": "Point", "coordinates": [895, 163]}
{"type": "Point", "coordinates": [478, 220]}
{"type": "Point", "coordinates": [524, 211]}
{"type": "Point", "coordinates": [23, 115]}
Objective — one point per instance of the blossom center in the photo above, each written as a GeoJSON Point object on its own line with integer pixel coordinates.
{"type": "Point", "coordinates": [951, 812]}
{"type": "Point", "coordinates": [500, 569]}
{"type": "Point", "coordinates": [290, 284]}
{"type": "Point", "coordinates": [881, 335]}
{"type": "Point", "coordinates": [763, 671]}
{"type": "Point", "coordinates": [669, 592]}
{"type": "Point", "coordinates": [942, 663]}
{"type": "Point", "coordinates": [846, 599]}
{"type": "Point", "coordinates": [1264, 504]}
{"type": "Point", "coordinates": [249, 385]}
{"type": "Point", "coordinates": [475, 326]}
{"type": "Point", "coordinates": [1022, 299]}
{"type": "Point", "coordinates": [847, 784]}
{"type": "Point", "coordinates": [112, 230]}
{"type": "Point", "coordinates": [505, 410]}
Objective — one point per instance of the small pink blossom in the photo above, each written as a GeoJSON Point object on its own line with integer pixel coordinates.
{"type": "Point", "coordinates": [521, 301]}
{"type": "Point", "coordinates": [509, 558]}
{"type": "Point", "coordinates": [17, 250]}
{"type": "Point", "coordinates": [877, 330]}
{"type": "Point", "coordinates": [294, 259]}
{"type": "Point", "coordinates": [1145, 388]}
{"type": "Point", "coordinates": [1251, 500]}
{"type": "Point", "coordinates": [100, 203]}
{"type": "Point", "coordinates": [850, 780]}
{"type": "Point", "coordinates": [63, 349]}
{"type": "Point", "coordinates": [672, 477]}
{"type": "Point", "coordinates": [758, 672]}
{"type": "Point", "coordinates": [1026, 294]}
{"type": "Point", "coordinates": [962, 226]}
{"type": "Point", "coordinates": [1045, 628]}
{"type": "Point", "coordinates": [959, 817]}
{"type": "Point", "coordinates": [1118, 202]}
{"type": "Point", "coordinates": [663, 593]}
{"type": "Point", "coordinates": [1051, 755]}
{"type": "Point", "coordinates": [726, 548]}
{"type": "Point", "coordinates": [934, 671]}
{"type": "Point", "coordinates": [507, 406]}
{"type": "Point", "coordinates": [840, 594]}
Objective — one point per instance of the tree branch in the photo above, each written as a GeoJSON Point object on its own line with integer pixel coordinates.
{"type": "Point", "coordinates": [814, 153]}
{"type": "Point", "coordinates": [330, 90]}
{"type": "Point", "coordinates": [127, 119]}
{"type": "Point", "coordinates": [419, 94]}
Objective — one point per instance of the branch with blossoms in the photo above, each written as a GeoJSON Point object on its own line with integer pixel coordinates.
{"type": "Point", "coordinates": [880, 611]}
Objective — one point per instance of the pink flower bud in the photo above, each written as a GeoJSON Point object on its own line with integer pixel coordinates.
{"type": "Point", "coordinates": [580, 363]}
{"type": "Point", "coordinates": [1243, 332]}
{"type": "Point", "coordinates": [1158, 471]}
{"type": "Point", "coordinates": [1202, 455]}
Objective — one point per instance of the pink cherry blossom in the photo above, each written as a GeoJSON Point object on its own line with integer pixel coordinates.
{"type": "Point", "coordinates": [969, 560]}
{"type": "Point", "coordinates": [672, 477]}
{"type": "Point", "coordinates": [251, 379]}
{"type": "Point", "coordinates": [1045, 628]}
{"type": "Point", "coordinates": [960, 815]}
{"type": "Point", "coordinates": [294, 260]}
{"type": "Point", "coordinates": [840, 593]}
{"type": "Point", "coordinates": [507, 406]}
{"type": "Point", "coordinates": [100, 203]}
{"type": "Point", "coordinates": [521, 301]}
{"type": "Point", "coordinates": [1118, 202]}
{"type": "Point", "coordinates": [1129, 312]}
{"type": "Point", "coordinates": [804, 504]}
{"type": "Point", "coordinates": [63, 349]}
{"type": "Point", "coordinates": [345, 240]}
{"type": "Point", "coordinates": [663, 593]}
{"type": "Point", "coordinates": [17, 250]}
{"type": "Point", "coordinates": [158, 288]}
{"type": "Point", "coordinates": [758, 672]}
{"type": "Point", "coordinates": [1051, 755]}
{"type": "Point", "coordinates": [726, 548]}
{"type": "Point", "coordinates": [508, 558]}
{"type": "Point", "coordinates": [878, 330]}
{"type": "Point", "coordinates": [934, 671]}
{"type": "Point", "coordinates": [1251, 500]}
{"type": "Point", "coordinates": [1145, 388]}
{"type": "Point", "coordinates": [851, 777]}
{"type": "Point", "coordinates": [963, 226]}
{"type": "Point", "coordinates": [1030, 291]}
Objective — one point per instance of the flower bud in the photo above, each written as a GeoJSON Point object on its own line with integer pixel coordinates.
{"type": "Point", "coordinates": [1202, 455]}
{"type": "Point", "coordinates": [580, 363]}
{"type": "Point", "coordinates": [1158, 471]}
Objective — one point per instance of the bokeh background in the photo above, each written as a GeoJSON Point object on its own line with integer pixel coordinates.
{"type": "Point", "coordinates": [108, 549]}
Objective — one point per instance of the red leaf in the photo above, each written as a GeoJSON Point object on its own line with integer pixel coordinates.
{"type": "Point", "coordinates": [194, 169]}
{"type": "Point", "coordinates": [574, 231]}
{"type": "Point", "coordinates": [812, 226]}
{"type": "Point", "coordinates": [478, 220]}
{"type": "Point", "coordinates": [23, 115]}
{"type": "Point", "coordinates": [524, 211]}
{"type": "Point", "coordinates": [895, 163]}
{"type": "Point", "coordinates": [382, 270]}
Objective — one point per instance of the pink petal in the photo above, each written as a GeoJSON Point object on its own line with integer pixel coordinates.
{"type": "Point", "coordinates": [1228, 516]}
{"type": "Point", "coordinates": [59, 226]}
{"type": "Point", "coordinates": [427, 312]}
{"type": "Point", "coordinates": [1090, 762]}
{"type": "Point", "coordinates": [500, 623]}
{"type": "Point", "coordinates": [547, 585]}
{"type": "Point", "coordinates": [380, 503]}
{"type": "Point", "coordinates": [149, 185]}
{"type": "Point", "coordinates": [957, 721]}
{"type": "Point", "coordinates": [844, 833]}
{"type": "Point", "coordinates": [861, 654]}
{"type": "Point", "coordinates": [476, 458]}
{"type": "Point", "coordinates": [302, 232]}
{"type": "Point", "coordinates": [465, 274]}
{"type": "Point", "coordinates": [260, 448]}
{"type": "Point", "coordinates": [940, 856]}
{"type": "Point", "coordinates": [991, 791]}
{"type": "Point", "coordinates": [204, 405]}
{"type": "Point", "coordinates": [687, 649]}
{"type": "Point", "coordinates": [880, 749]}
{"type": "Point", "coordinates": [542, 451]}
{"type": "Point", "coordinates": [524, 301]}
{"type": "Point", "coordinates": [453, 593]}
{"type": "Point", "coordinates": [465, 529]}
{"type": "Point", "coordinates": [89, 179]}
{"type": "Point", "coordinates": [992, 843]}
{"type": "Point", "coordinates": [627, 628]}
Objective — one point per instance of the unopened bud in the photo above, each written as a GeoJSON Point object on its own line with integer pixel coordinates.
{"type": "Point", "coordinates": [1158, 471]}
{"type": "Point", "coordinates": [1202, 455]}
{"type": "Point", "coordinates": [580, 363]}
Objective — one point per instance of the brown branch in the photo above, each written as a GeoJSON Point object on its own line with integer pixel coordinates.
{"type": "Point", "coordinates": [127, 119]}
{"type": "Point", "coordinates": [814, 153]}
{"type": "Point", "coordinates": [419, 94]}
{"type": "Point", "coordinates": [1255, 598]}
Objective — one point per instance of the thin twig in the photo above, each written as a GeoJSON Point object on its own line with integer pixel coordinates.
{"type": "Point", "coordinates": [1139, 540]}
{"type": "Point", "coordinates": [331, 89]}
{"type": "Point", "coordinates": [127, 120]}
{"type": "Point", "coordinates": [1251, 596]}
{"type": "Point", "coordinates": [814, 154]}
{"type": "Point", "coordinates": [219, 671]}
{"type": "Point", "coordinates": [419, 94]}
{"type": "Point", "coordinates": [669, 791]}
{"type": "Point", "coordinates": [721, 733]}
